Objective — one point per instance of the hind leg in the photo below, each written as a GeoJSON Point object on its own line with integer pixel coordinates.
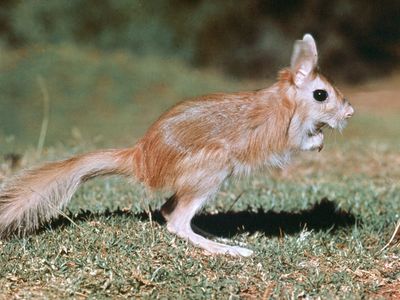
{"type": "Point", "coordinates": [179, 212]}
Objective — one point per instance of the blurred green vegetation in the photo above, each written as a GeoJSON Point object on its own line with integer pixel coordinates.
{"type": "Point", "coordinates": [94, 96]}
{"type": "Point", "coordinates": [247, 38]}
{"type": "Point", "coordinates": [111, 67]}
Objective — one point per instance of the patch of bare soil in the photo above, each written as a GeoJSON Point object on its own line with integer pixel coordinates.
{"type": "Point", "coordinates": [381, 96]}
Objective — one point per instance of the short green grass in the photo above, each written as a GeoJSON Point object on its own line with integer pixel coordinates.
{"type": "Point", "coordinates": [113, 245]}
{"type": "Point", "coordinates": [102, 97]}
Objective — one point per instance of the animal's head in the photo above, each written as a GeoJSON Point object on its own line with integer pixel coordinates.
{"type": "Point", "coordinates": [319, 102]}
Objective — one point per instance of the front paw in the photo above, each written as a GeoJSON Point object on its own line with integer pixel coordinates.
{"type": "Point", "coordinates": [313, 142]}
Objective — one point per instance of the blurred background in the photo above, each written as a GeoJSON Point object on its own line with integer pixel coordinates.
{"type": "Point", "coordinates": [99, 72]}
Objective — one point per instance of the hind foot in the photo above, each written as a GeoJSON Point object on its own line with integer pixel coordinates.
{"type": "Point", "coordinates": [211, 247]}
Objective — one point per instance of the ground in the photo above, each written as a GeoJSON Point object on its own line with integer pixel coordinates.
{"type": "Point", "coordinates": [316, 227]}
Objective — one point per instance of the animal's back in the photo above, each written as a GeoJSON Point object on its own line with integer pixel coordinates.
{"type": "Point", "coordinates": [219, 129]}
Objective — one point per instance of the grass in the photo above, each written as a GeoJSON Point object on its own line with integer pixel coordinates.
{"type": "Point", "coordinates": [304, 247]}
{"type": "Point", "coordinates": [92, 94]}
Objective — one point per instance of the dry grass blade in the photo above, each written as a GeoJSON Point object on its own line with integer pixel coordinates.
{"type": "Point", "coordinates": [395, 238]}
{"type": "Point", "coordinates": [46, 113]}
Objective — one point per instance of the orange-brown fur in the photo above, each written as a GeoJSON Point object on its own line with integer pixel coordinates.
{"type": "Point", "coordinates": [242, 127]}
{"type": "Point", "coordinates": [190, 150]}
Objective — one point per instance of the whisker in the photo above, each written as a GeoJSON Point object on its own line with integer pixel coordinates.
{"type": "Point", "coordinates": [335, 137]}
{"type": "Point", "coordinates": [332, 133]}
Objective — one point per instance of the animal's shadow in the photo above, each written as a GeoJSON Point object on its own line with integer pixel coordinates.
{"type": "Point", "coordinates": [324, 215]}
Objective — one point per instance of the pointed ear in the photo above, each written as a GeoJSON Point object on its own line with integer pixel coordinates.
{"type": "Point", "coordinates": [304, 58]}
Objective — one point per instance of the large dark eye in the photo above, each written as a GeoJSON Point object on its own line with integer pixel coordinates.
{"type": "Point", "coordinates": [320, 95]}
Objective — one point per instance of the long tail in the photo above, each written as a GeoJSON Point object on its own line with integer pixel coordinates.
{"type": "Point", "coordinates": [38, 195]}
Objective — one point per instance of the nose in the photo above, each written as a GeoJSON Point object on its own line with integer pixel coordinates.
{"type": "Point", "coordinates": [349, 112]}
